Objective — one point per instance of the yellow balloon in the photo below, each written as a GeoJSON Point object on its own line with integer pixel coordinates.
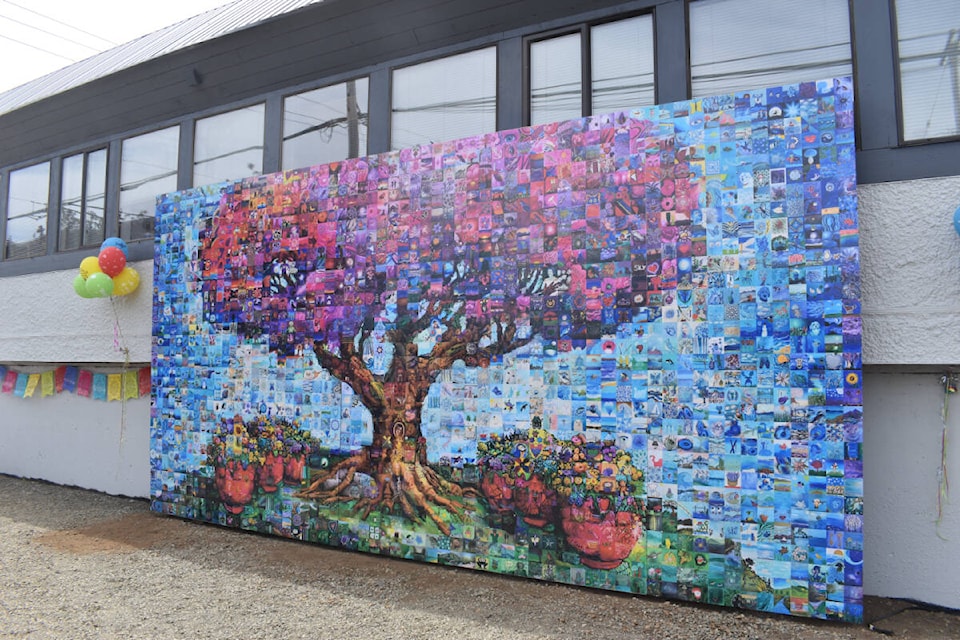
{"type": "Point", "coordinates": [89, 266]}
{"type": "Point", "coordinates": [126, 282]}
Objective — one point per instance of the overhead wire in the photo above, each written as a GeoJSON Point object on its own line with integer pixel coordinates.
{"type": "Point", "coordinates": [52, 19]}
{"type": "Point", "coordinates": [33, 46]}
{"type": "Point", "coordinates": [50, 33]}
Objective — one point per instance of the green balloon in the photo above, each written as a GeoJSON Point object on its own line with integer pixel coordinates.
{"type": "Point", "coordinates": [100, 285]}
{"type": "Point", "coordinates": [80, 287]}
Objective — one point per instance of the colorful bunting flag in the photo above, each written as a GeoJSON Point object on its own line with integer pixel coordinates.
{"type": "Point", "coordinates": [99, 386]}
{"type": "Point", "coordinates": [46, 384]}
{"type": "Point", "coordinates": [123, 385]}
{"type": "Point", "coordinates": [85, 383]}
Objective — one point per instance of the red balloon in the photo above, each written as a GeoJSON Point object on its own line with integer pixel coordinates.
{"type": "Point", "coordinates": [112, 261]}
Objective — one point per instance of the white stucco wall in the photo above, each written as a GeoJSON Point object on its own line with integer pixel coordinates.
{"type": "Point", "coordinates": [45, 321]}
{"type": "Point", "coordinates": [910, 257]}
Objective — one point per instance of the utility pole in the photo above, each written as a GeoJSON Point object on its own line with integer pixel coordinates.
{"type": "Point", "coordinates": [353, 120]}
{"type": "Point", "coordinates": [951, 56]}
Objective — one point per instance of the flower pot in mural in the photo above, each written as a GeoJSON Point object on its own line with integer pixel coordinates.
{"type": "Point", "coordinates": [293, 468]}
{"type": "Point", "coordinates": [498, 490]}
{"type": "Point", "coordinates": [535, 500]}
{"type": "Point", "coordinates": [235, 483]}
{"type": "Point", "coordinates": [271, 472]}
{"type": "Point", "coordinates": [603, 537]}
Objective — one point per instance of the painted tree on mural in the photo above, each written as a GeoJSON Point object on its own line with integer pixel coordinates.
{"type": "Point", "coordinates": [468, 269]}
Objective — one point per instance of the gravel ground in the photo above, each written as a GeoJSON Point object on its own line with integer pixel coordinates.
{"type": "Point", "coordinates": [79, 564]}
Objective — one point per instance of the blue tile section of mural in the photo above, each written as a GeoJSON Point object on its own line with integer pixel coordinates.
{"type": "Point", "coordinates": [621, 351]}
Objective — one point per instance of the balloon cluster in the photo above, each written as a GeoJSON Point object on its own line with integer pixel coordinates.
{"type": "Point", "coordinates": [107, 274]}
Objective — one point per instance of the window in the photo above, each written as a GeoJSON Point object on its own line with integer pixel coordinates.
{"type": "Point", "coordinates": [445, 99]}
{"type": "Point", "coordinates": [83, 185]}
{"type": "Point", "coordinates": [620, 58]}
{"type": "Point", "coordinates": [621, 63]}
{"type": "Point", "coordinates": [228, 146]}
{"type": "Point", "coordinates": [148, 168]}
{"type": "Point", "coordinates": [27, 201]}
{"type": "Point", "coordinates": [556, 92]}
{"type": "Point", "coordinates": [744, 44]}
{"type": "Point", "coordinates": [928, 39]}
{"type": "Point", "coordinates": [325, 125]}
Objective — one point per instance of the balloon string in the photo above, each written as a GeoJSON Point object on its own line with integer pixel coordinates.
{"type": "Point", "coordinates": [949, 382]}
{"type": "Point", "coordinates": [120, 344]}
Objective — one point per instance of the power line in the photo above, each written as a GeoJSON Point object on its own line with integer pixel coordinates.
{"type": "Point", "coordinates": [43, 15]}
{"type": "Point", "coordinates": [50, 33]}
{"type": "Point", "coordinates": [33, 46]}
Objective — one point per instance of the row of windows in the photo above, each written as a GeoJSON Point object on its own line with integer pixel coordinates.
{"type": "Point", "coordinates": [589, 68]}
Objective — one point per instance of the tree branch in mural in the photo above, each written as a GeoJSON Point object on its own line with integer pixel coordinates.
{"type": "Point", "coordinates": [397, 457]}
{"type": "Point", "coordinates": [437, 286]}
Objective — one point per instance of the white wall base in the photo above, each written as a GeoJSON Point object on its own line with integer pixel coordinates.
{"type": "Point", "coordinates": [906, 554]}
{"type": "Point", "coordinates": [71, 440]}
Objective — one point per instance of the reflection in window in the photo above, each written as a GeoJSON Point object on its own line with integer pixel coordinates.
{"type": "Point", "coordinates": [621, 63]}
{"type": "Point", "coordinates": [325, 125]}
{"type": "Point", "coordinates": [928, 36]}
{"type": "Point", "coordinates": [83, 182]}
{"type": "Point", "coordinates": [228, 146]}
{"type": "Point", "coordinates": [27, 200]}
{"type": "Point", "coordinates": [445, 99]}
{"type": "Point", "coordinates": [737, 45]}
{"type": "Point", "coordinates": [148, 168]}
{"type": "Point", "coordinates": [555, 79]}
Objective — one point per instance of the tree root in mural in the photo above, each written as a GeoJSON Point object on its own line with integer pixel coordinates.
{"type": "Point", "coordinates": [413, 486]}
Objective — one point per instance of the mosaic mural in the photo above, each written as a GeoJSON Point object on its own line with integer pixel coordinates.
{"type": "Point", "coordinates": [621, 351]}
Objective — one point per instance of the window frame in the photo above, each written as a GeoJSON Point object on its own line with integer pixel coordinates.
{"type": "Point", "coordinates": [53, 187]}
{"type": "Point", "coordinates": [898, 88]}
{"type": "Point", "coordinates": [220, 111]}
{"type": "Point", "coordinates": [850, 28]}
{"type": "Point", "coordinates": [585, 30]}
{"type": "Point", "coordinates": [287, 94]}
{"type": "Point", "coordinates": [84, 174]}
{"type": "Point", "coordinates": [441, 55]}
{"type": "Point", "coordinates": [118, 187]}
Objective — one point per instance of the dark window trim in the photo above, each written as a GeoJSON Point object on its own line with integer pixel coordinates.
{"type": "Point", "coordinates": [53, 213]}
{"type": "Point", "coordinates": [111, 199]}
{"type": "Point", "coordinates": [4, 186]}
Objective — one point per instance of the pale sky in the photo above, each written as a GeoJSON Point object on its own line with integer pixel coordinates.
{"type": "Point", "coordinates": [40, 36]}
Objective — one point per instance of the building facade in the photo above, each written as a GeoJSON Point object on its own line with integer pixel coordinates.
{"type": "Point", "coordinates": [322, 81]}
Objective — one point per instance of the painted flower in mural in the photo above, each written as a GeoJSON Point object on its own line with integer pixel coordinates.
{"type": "Point", "coordinates": [256, 453]}
{"type": "Point", "coordinates": [516, 471]}
{"type": "Point", "coordinates": [460, 260]}
{"type": "Point", "coordinates": [591, 489]}
{"type": "Point", "coordinates": [602, 507]}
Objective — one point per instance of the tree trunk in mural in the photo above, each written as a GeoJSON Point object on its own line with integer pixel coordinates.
{"type": "Point", "coordinates": [397, 457]}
